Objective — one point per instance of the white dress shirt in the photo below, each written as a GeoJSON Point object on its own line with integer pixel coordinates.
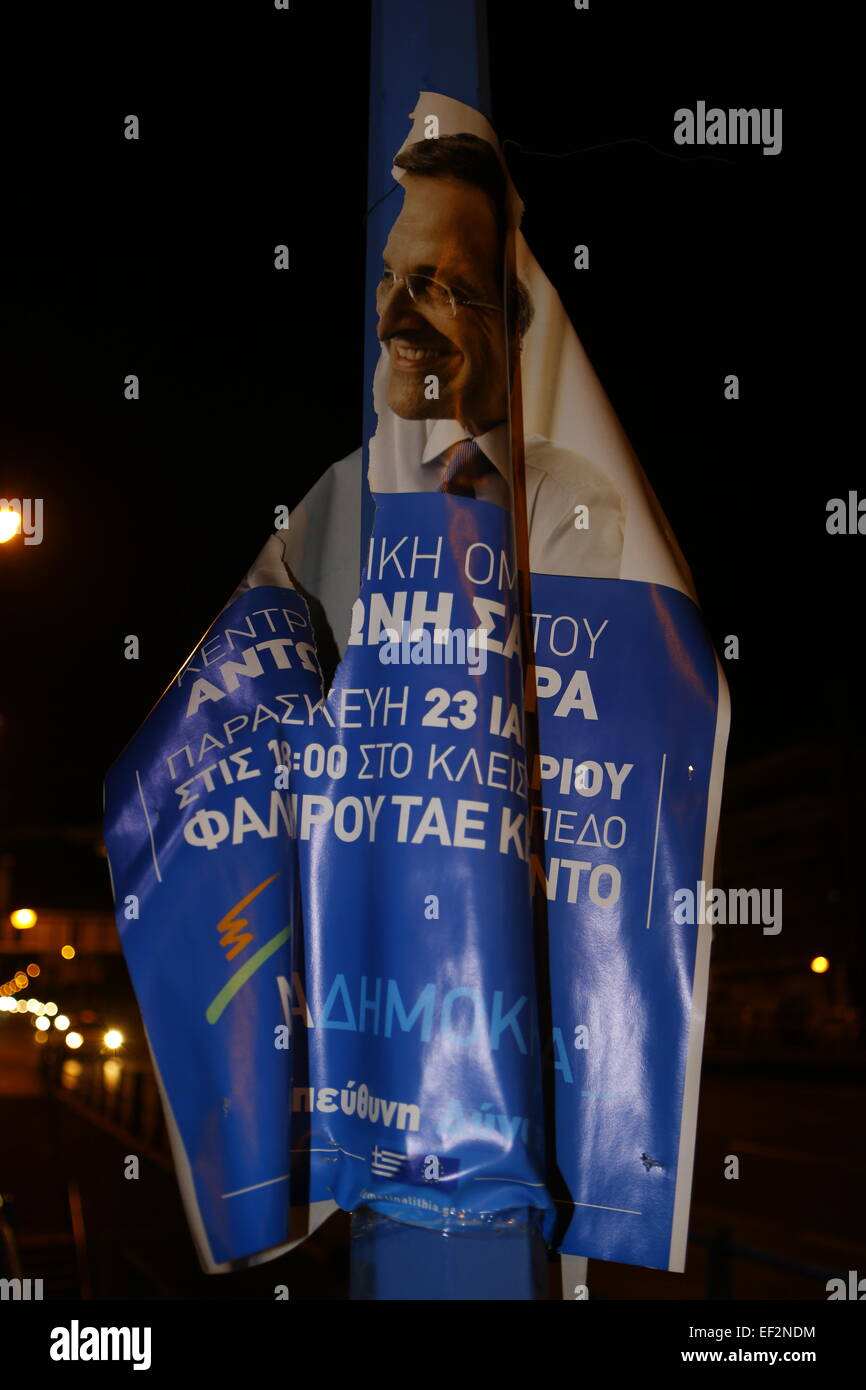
{"type": "Point", "coordinates": [557, 482]}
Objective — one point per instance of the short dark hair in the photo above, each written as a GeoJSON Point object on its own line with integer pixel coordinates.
{"type": "Point", "coordinates": [474, 161]}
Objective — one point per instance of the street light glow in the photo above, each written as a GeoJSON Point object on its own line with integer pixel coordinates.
{"type": "Point", "coordinates": [113, 1038]}
{"type": "Point", "coordinates": [61, 1022]}
{"type": "Point", "coordinates": [74, 1040]}
{"type": "Point", "coordinates": [67, 952]}
{"type": "Point", "coordinates": [820, 965]}
{"type": "Point", "coordinates": [23, 917]}
{"type": "Point", "coordinates": [42, 1024]}
{"type": "Point", "coordinates": [10, 524]}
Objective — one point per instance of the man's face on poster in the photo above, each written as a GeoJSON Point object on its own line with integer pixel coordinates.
{"type": "Point", "coordinates": [446, 230]}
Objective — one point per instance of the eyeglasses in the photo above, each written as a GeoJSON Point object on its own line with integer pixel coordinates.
{"type": "Point", "coordinates": [428, 294]}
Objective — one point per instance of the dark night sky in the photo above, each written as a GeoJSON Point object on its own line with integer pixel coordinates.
{"type": "Point", "coordinates": [156, 258]}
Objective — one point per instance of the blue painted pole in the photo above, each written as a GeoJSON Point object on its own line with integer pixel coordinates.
{"type": "Point", "coordinates": [416, 46]}
{"type": "Point", "coordinates": [497, 1258]}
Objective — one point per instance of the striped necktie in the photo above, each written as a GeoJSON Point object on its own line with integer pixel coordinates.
{"type": "Point", "coordinates": [464, 465]}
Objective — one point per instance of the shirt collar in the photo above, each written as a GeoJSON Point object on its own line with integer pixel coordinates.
{"type": "Point", "coordinates": [493, 444]}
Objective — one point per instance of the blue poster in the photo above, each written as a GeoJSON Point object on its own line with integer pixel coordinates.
{"type": "Point", "coordinates": [335, 901]}
{"type": "Point", "coordinates": [401, 925]}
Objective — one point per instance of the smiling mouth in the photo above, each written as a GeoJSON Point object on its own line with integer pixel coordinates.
{"type": "Point", "coordinates": [409, 357]}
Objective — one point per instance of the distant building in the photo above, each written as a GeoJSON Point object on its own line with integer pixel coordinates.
{"type": "Point", "coordinates": [788, 822]}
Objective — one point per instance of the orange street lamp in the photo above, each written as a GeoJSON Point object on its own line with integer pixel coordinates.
{"type": "Point", "coordinates": [10, 524]}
